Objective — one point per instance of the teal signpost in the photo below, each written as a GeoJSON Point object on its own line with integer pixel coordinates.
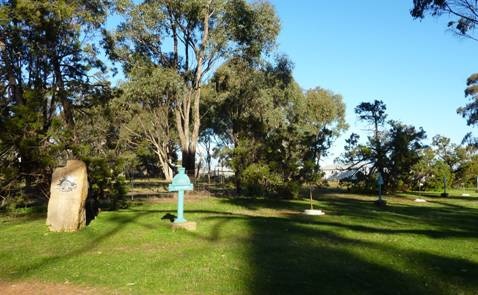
{"type": "Point", "coordinates": [180, 184]}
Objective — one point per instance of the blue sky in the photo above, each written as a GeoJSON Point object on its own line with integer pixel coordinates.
{"type": "Point", "coordinates": [366, 50]}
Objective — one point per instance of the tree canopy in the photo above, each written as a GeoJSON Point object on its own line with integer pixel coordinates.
{"type": "Point", "coordinates": [202, 33]}
{"type": "Point", "coordinates": [49, 72]}
{"type": "Point", "coordinates": [464, 14]}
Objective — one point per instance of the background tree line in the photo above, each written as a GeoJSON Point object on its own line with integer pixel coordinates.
{"type": "Point", "coordinates": [195, 72]}
{"type": "Point", "coordinates": [397, 151]}
{"type": "Point", "coordinates": [192, 70]}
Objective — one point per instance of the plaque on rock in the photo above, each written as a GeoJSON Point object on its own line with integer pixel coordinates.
{"type": "Point", "coordinates": [68, 192]}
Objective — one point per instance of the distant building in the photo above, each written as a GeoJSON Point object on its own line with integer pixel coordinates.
{"type": "Point", "coordinates": [336, 172]}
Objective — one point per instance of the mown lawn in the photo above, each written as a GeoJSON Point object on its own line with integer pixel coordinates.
{"type": "Point", "coordinates": [245, 246]}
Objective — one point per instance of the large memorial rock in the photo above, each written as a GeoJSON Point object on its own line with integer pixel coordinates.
{"type": "Point", "coordinates": [68, 192]}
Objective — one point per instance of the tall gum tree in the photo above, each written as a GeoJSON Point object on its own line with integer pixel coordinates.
{"type": "Point", "coordinates": [191, 37]}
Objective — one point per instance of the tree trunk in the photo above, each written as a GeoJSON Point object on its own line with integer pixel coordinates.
{"type": "Point", "coordinates": [189, 138]}
{"type": "Point", "coordinates": [237, 181]}
{"type": "Point", "coordinates": [62, 95]}
{"type": "Point", "coordinates": [188, 161]}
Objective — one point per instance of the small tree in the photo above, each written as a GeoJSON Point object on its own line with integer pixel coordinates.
{"type": "Point", "coordinates": [388, 153]}
{"type": "Point", "coordinates": [146, 106]}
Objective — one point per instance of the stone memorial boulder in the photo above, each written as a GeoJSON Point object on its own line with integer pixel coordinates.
{"type": "Point", "coordinates": [68, 192]}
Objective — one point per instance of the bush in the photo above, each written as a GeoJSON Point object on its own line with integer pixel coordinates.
{"type": "Point", "coordinates": [290, 190]}
{"type": "Point", "coordinates": [107, 184]}
{"type": "Point", "coordinates": [258, 179]}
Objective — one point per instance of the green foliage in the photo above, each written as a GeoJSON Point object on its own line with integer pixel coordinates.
{"type": "Point", "coordinates": [47, 73]}
{"type": "Point", "coordinates": [470, 110]}
{"type": "Point", "coordinates": [374, 113]}
{"type": "Point", "coordinates": [254, 26]}
{"type": "Point", "coordinates": [465, 174]}
{"type": "Point", "coordinates": [257, 179]}
{"type": "Point", "coordinates": [107, 158]}
{"type": "Point", "coordinates": [463, 11]}
{"type": "Point", "coordinates": [57, 104]}
{"type": "Point", "coordinates": [107, 181]}
{"type": "Point", "coordinates": [146, 108]}
{"type": "Point", "coordinates": [429, 172]}
{"type": "Point", "coordinates": [445, 159]}
{"type": "Point", "coordinates": [404, 148]}
{"type": "Point", "coordinates": [191, 37]}
{"type": "Point", "coordinates": [263, 116]}
{"type": "Point", "coordinates": [391, 153]}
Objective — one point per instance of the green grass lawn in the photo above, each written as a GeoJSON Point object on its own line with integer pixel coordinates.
{"type": "Point", "coordinates": [245, 246]}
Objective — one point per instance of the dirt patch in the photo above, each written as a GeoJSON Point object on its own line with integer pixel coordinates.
{"type": "Point", "coordinates": [40, 288]}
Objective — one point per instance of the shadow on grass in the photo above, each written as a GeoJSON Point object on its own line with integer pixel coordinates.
{"type": "Point", "coordinates": [437, 195]}
{"type": "Point", "coordinates": [299, 254]}
{"type": "Point", "coordinates": [120, 220]}
{"type": "Point", "coordinates": [251, 203]}
{"type": "Point", "coordinates": [447, 220]}
{"type": "Point", "coordinates": [289, 258]}
{"type": "Point", "coordinates": [308, 255]}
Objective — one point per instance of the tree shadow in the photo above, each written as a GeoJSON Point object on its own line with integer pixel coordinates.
{"type": "Point", "coordinates": [251, 203]}
{"type": "Point", "coordinates": [437, 195]}
{"type": "Point", "coordinates": [300, 254]}
{"type": "Point", "coordinates": [307, 255]}
{"type": "Point", "coordinates": [120, 221]}
{"type": "Point", "coordinates": [290, 258]}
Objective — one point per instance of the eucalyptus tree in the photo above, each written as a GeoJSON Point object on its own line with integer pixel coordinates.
{"type": "Point", "coordinates": [458, 163]}
{"type": "Point", "coordinates": [429, 170]}
{"type": "Point", "coordinates": [460, 159]}
{"type": "Point", "coordinates": [464, 21]}
{"type": "Point", "coordinates": [446, 151]}
{"type": "Point", "coordinates": [470, 110]}
{"type": "Point", "coordinates": [242, 110]}
{"type": "Point", "coordinates": [322, 120]}
{"type": "Point", "coordinates": [192, 37]}
{"type": "Point", "coordinates": [273, 129]}
{"type": "Point", "coordinates": [466, 172]}
{"type": "Point", "coordinates": [463, 13]}
{"type": "Point", "coordinates": [145, 107]}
